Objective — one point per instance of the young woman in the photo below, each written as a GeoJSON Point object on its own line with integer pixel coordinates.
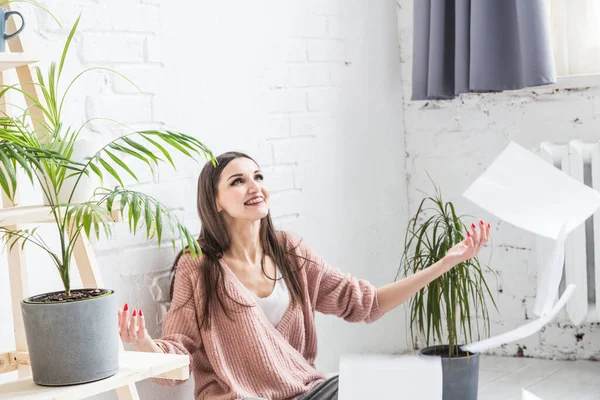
{"type": "Point", "coordinates": [244, 311]}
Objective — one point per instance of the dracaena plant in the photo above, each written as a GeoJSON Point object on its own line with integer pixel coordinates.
{"type": "Point", "coordinates": [443, 311]}
{"type": "Point", "coordinates": [43, 149]}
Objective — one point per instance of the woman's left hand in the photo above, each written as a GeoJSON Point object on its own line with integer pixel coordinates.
{"type": "Point", "coordinates": [469, 247]}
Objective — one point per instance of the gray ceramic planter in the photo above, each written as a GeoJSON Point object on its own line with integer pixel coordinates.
{"type": "Point", "coordinates": [460, 375]}
{"type": "Point", "coordinates": [74, 342]}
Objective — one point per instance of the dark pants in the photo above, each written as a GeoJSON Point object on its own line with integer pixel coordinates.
{"type": "Point", "coordinates": [327, 390]}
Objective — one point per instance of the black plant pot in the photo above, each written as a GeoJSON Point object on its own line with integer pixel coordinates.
{"type": "Point", "coordinates": [460, 374]}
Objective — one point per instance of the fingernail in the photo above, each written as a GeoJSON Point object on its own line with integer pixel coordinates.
{"type": "Point", "coordinates": [489, 226]}
{"type": "Point", "coordinates": [134, 313]}
{"type": "Point", "coordinates": [469, 234]}
{"type": "Point", "coordinates": [481, 221]}
{"type": "Point", "coordinates": [126, 308]}
{"type": "Point", "coordinates": [473, 226]}
{"type": "Point", "coordinates": [141, 315]}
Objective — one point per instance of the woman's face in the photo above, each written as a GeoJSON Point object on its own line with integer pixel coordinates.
{"type": "Point", "coordinates": [241, 192]}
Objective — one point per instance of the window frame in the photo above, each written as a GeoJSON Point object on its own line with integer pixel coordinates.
{"type": "Point", "coordinates": [576, 81]}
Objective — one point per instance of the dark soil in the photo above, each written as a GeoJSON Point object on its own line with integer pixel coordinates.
{"type": "Point", "coordinates": [444, 351]}
{"type": "Point", "coordinates": [61, 297]}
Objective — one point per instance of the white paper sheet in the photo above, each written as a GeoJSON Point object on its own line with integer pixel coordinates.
{"type": "Point", "coordinates": [390, 377]}
{"type": "Point", "coordinates": [549, 277]}
{"type": "Point", "coordinates": [523, 331]}
{"type": "Point", "coordinates": [522, 189]}
{"type": "Point", "coordinates": [529, 396]}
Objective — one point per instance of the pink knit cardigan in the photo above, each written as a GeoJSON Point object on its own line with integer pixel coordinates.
{"type": "Point", "coordinates": [248, 356]}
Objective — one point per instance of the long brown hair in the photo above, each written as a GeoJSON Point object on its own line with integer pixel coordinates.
{"type": "Point", "coordinates": [215, 240]}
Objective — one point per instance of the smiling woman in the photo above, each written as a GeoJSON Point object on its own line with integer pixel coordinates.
{"type": "Point", "coordinates": [244, 310]}
{"type": "Point", "coordinates": [244, 187]}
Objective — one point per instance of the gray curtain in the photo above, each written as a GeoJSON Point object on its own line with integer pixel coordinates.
{"type": "Point", "coordinates": [464, 46]}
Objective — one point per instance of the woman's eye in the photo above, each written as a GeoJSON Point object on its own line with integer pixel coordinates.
{"type": "Point", "coordinates": [235, 182]}
{"type": "Point", "coordinates": [259, 177]}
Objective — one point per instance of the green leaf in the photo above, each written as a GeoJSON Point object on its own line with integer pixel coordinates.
{"type": "Point", "coordinates": [124, 202]}
{"type": "Point", "coordinates": [111, 171]}
{"type": "Point", "coordinates": [135, 210]}
{"type": "Point", "coordinates": [148, 216]}
{"type": "Point", "coordinates": [87, 222]}
{"type": "Point", "coordinates": [12, 176]}
{"type": "Point", "coordinates": [162, 149]}
{"type": "Point", "coordinates": [126, 150]}
{"type": "Point", "coordinates": [67, 44]}
{"type": "Point", "coordinates": [96, 170]}
{"type": "Point", "coordinates": [97, 229]}
{"type": "Point", "coordinates": [141, 148]}
{"type": "Point", "coordinates": [173, 142]}
{"type": "Point", "coordinates": [191, 242]}
{"type": "Point", "coordinates": [18, 157]}
{"type": "Point", "coordinates": [158, 220]}
{"type": "Point", "coordinates": [5, 186]}
{"type": "Point", "coordinates": [109, 202]}
{"type": "Point", "coordinates": [122, 165]}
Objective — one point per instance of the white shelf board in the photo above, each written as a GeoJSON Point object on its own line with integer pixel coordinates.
{"type": "Point", "coordinates": [133, 367]}
{"type": "Point", "coordinates": [25, 215]}
{"type": "Point", "coordinates": [11, 216]}
{"type": "Point", "coordinates": [14, 60]}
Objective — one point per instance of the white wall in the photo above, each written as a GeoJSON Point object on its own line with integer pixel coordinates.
{"type": "Point", "coordinates": [456, 140]}
{"type": "Point", "coordinates": [311, 89]}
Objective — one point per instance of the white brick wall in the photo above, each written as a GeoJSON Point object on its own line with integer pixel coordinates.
{"type": "Point", "coordinates": [326, 50]}
{"type": "Point", "coordinates": [288, 100]}
{"type": "Point", "coordinates": [455, 140]}
{"type": "Point", "coordinates": [306, 75]}
{"type": "Point", "coordinates": [113, 48]}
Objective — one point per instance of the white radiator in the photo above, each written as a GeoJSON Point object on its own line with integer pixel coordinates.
{"type": "Point", "coordinates": [582, 249]}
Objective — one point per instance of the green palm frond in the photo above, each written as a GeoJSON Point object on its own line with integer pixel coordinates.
{"type": "Point", "coordinates": [29, 159]}
{"type": "Point", "coordinates": [144, 145]}
{"type": "Point", "coordinates": [12, 237]}
{"type": "Point", "coordinates": [89, 215]}
{"type": "Point", "coordinates": [141, 209]}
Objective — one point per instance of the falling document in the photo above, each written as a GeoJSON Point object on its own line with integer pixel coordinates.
{"type": "Point", "coordinates": [522, 189]}
{"type": "Point", "coordinates": [549, 277]}
{"type": "Point", "coordinates": [389, 377]}
{"type": "Point", "coordinates": [523, 331]}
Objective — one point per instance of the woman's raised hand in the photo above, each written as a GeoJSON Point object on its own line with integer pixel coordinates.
{"type": "Point", "coordinates": [133, 329]}
{"type": "Point", "coordinates": [469, 247]}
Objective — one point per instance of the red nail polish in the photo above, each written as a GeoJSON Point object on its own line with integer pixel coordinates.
{"type": "Point", "coordinates": [489, 226]}
{"type": "Point", "coordinates": [473, 226]}
{"type": "Point", "coordinates": [141, 315]}
{"type": "Point", "coordinates": [481, 221]}
{"type": "Point", "coordinates": [469, 234]}
{"type": "Point", "coordinates": [134, 313]}
{"type": "Point", "coordinates": [126, 308]}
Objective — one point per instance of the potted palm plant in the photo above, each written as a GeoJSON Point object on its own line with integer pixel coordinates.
{"type": "Point", "coordinates": [72, 334]}
{"type": "Point", "coordinates": [442, 314]}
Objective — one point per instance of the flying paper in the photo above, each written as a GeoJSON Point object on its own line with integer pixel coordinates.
{"type": "Point", "coordinates": [386, 377]}
{"type": "Point", "coordinates": [549, 277]}
{"type": "Point", "coordinates": [522, 189]}
{"type": "Point", "coordinates": [523, 331]}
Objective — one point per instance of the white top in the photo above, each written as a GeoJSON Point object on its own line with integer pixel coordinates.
{"type": "Point", "coordinates": [276, 304]}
